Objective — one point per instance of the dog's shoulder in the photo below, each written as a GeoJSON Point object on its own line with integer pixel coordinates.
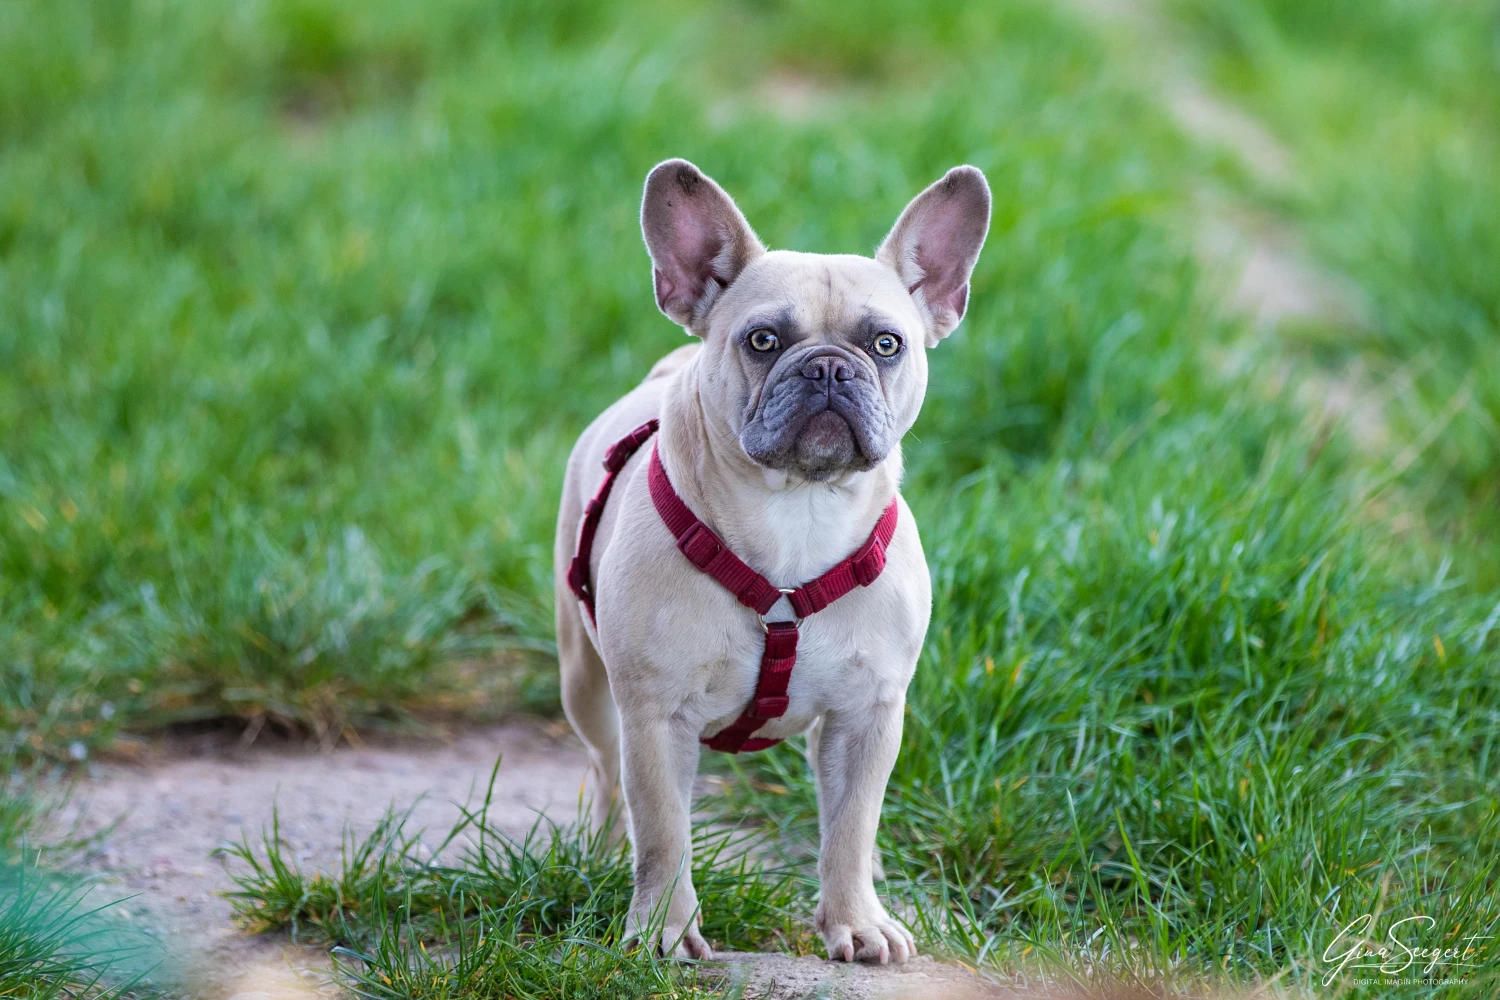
{"type": "Point", "coordinates": [673, 362]}
{"type": "Point", "coordinates": [643, 403]}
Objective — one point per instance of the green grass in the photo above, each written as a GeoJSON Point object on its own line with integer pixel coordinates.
{"type": "Point", "coordinates": [284, 425]}
{"type": "Point", "coordinates": [302, 303]}
{"type": "Point", "coordinates": [1390, 110]}
{"type": "Point", "coordinates": [484, 914]}
{"type": "Point", "coordinates": [58, 943]}
{"type": "Point", "coordinates": [59, 936]}
{"type": "Point", "coordinates": [1207, 721]}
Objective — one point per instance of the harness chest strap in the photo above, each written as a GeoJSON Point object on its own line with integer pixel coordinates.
{"type": "Point", "coordinates": [709, 554]}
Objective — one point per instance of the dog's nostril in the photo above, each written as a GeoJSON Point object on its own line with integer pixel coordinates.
{"type": "Point", "coordinates": [843, 372]}
{"type": "Point", "coordinates": [815, 369]}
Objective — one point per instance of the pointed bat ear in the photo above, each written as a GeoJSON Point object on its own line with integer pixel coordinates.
{"type": "Point", "coordinates": [698, 240]}
{"type": "Point", "coordinates": [935, 244]}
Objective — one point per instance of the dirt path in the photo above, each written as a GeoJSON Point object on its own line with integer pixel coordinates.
{"type": "Point", "coordinates": [1260, 263]}
{"type": "Point", "coordinates": [158, 821]}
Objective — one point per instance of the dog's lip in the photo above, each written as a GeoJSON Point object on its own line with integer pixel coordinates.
{"type": "Point", "coordinates": [778, 461]}
{"type": "Point", "coordinates": [843, 423]}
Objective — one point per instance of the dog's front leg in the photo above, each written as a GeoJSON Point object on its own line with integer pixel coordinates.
{"type": "Point", "coordinates": [660, 757]}
{"type": "Point", "coordinates": [854, 757]}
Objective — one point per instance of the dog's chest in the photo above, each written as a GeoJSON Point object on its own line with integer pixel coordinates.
{"type": "Point", "coordinates": [848, 659]}
{"type": "Point", "coordinates": [794, 537]}
{"type": "Point", "coordinates": [696, 652]}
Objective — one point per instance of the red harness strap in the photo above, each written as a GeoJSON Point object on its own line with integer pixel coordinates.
{"type": "Point", "coordinates": [614, 460]}
{"type": "Point", "coordinates": [708, 553]}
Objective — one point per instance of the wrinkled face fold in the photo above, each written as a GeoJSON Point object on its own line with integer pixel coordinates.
{"type": "Point", "coordinates": [815, 363]}
{"type": "Point", "coordinates": [821, 407]}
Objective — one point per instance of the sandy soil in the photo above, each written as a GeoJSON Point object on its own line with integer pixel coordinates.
{"type": "Point", "coordinates": [157, 822]}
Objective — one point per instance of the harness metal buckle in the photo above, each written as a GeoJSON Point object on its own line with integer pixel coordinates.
{"type": "Point", "coordinates": [787, 592]}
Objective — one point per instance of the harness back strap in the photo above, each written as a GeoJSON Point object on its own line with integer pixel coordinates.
{"type": "Point", "coordinates": [708, 553]}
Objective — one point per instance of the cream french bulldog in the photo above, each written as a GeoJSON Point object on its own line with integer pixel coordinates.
{"type": "Point", "coordinates": [781, 431]}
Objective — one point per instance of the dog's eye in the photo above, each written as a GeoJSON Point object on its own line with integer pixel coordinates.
{"type": "Point", "coordinates": [764, 340]}
{"type": "Point", "coordinates": [887, 344]}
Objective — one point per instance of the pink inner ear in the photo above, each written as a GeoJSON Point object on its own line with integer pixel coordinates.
{"type": "Point", "coordinates": [958, 301]}
{"type": "Point", "coordinates": [688, 264]}
{"type": "Point", "coordinates": [943, 247]}
{"type": "Point", "coordinates": [698, 240]}
{"type": "Point", "coordinates": [936, 242]}
{"type": "Point", "coordinates": [663, 287]}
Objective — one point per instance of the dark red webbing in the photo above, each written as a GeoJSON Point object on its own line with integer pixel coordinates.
{"type": "Point", "coordinates": [706, 551]}
{"type": "Point", "coordinates": [619, 453]}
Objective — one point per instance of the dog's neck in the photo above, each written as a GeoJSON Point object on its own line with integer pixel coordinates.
{"type": "Point", "coordinates": [788, 529]}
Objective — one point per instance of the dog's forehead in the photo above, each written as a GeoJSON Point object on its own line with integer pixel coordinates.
{"type": "Point", "coordinates": [821, 291]}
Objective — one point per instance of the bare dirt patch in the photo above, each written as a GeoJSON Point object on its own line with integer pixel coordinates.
{"type": "Point", "coordinates": [782, 977]}
{"type": "Point", "coordinates": [1267, 275]}
{"type": "Point", "coordinates": [158, 823]}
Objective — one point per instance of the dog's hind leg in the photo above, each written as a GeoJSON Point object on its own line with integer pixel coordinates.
{"type": "Point", "coordinates": [590, 707]}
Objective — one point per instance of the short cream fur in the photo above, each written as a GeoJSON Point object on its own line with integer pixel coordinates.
{"type": "Point", "coordinates": [675, 656]}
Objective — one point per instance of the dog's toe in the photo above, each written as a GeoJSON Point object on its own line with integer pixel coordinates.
{"type": "Point", "coordinates": [691, 945]}
{"type": "Point", "coordinates": [879, 942]}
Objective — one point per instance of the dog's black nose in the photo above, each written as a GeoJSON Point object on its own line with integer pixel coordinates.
{"type": "Point", "coordinates": [825, 366]}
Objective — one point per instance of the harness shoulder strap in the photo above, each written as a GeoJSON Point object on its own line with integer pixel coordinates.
{"type": "Point", "coordinates": [706, 551]}
{"type": "Point", "coordinates": [614, 461]}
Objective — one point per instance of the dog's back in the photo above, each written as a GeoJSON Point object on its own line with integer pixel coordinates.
{"type": "Point", "coordinates": [585, 684]}
{"type": "Point", "coordinates": [586, 467]}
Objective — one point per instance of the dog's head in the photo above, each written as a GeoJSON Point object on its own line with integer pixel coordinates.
{"type": "Point", "coordinates": [814, 362]}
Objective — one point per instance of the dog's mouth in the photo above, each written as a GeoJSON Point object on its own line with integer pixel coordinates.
{"type": "Point", "coordinates": [818, 435]}
{"type": "Point", "coordinates": [827, 444]}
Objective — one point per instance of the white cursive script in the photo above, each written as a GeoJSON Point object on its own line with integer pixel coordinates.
{"type": "Point", "coordinates": [1353, 949]}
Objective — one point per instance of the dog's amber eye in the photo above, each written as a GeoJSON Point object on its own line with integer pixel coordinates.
{"type": "Point", "coordinates": [887, 344]}
{"type": "Point", "coordinates": [764, 340]}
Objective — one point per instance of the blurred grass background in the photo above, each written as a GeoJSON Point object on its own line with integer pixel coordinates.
{"type": "Point", "coordinates": [302, 302]}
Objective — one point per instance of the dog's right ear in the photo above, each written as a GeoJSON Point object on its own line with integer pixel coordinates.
{"type": "Point", "coordinates": [699, 241]}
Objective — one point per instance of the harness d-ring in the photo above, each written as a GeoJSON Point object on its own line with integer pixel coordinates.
{"type": "Point", "coordinates": [796, 619]}
{"type": "Point", "coordinates": [704, 549]}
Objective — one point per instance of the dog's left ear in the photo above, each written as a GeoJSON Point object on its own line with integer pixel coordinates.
{"type": "Point", "coordinates": [698, 240]}
{"type": "Point", "coordinates": [935, 243]}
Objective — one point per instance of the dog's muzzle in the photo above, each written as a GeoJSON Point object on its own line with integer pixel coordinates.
{"type": "Point", "coordinates": [820, 414]}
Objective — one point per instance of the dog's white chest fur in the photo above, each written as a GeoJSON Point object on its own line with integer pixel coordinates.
{"type": "Point", "coordinates": [805, 530]}
{"type": "Point", "coordinates": [781, 433]}
{"type": "Point", "coordinates": [674, 635]}
{"type": "Point", "coordinates": [841, 659]}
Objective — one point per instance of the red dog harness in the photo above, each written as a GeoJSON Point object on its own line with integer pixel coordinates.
{"type": "Point", "coordinates": [709, 554]}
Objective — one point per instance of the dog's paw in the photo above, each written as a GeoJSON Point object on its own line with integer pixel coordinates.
{"type": "Point", "coordinates": [673, 942]}
{"type": "Point", "coordinates": [867, 935]}
{"type": "Point", "coordinates": [686, 944]}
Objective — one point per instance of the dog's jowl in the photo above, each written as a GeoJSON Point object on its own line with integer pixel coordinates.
{"type": "Point", "coordinates": [735, 563]}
